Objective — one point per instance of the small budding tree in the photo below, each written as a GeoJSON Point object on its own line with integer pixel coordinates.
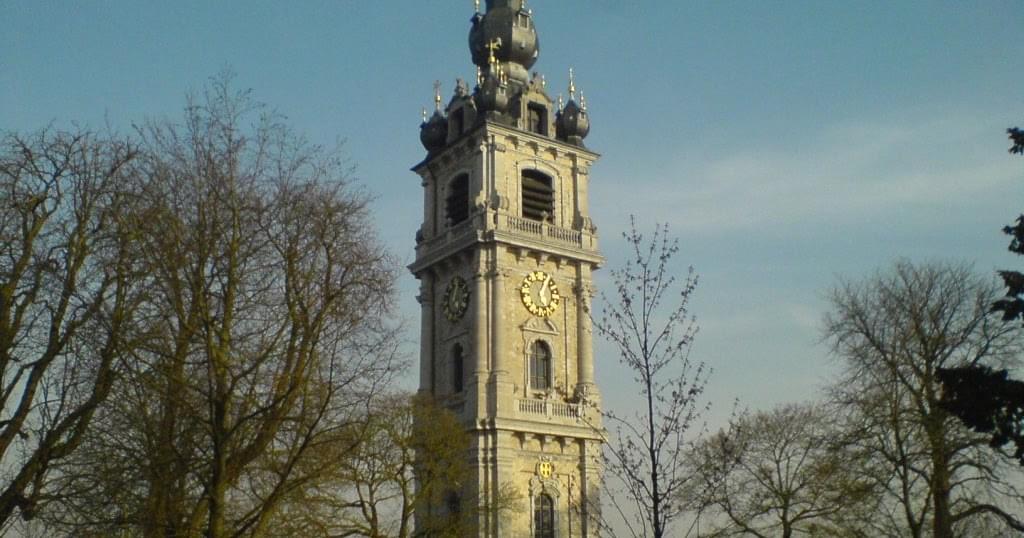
{"type": "Point", "coordinates": [648, 321]}
{"type": "Point", "coordinates": [779, 473]}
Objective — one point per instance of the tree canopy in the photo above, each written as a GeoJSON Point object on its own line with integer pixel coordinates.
{"type": "Point", "coordinates": [986, 399]}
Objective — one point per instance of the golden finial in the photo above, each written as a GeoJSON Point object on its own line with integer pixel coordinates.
{"type": "Point", "coordinates": [424, 114]}
{"type": "Point", "coordinates": [572, 84]}
{"type": "Point", "coordinates": [543, 81]}
{"type": "Point", "coordinates": [479, 76]}
{"type": "Point", "coordinates": [437, 95]}
{"type": "Point", "coordinates": [561, 102]}
{"type": "Point", "coordinates": [492, 47]}
{"type": "Point", "coordinates": [583, 102]}
{"type": "Point", "coordinates": [476, 5]}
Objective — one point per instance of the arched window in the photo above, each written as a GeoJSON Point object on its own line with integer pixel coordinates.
{"type": "Point", "coordinates": [537, 118]}
{"type": "Point", "coordinates": [458, 369]}
{"type": "Point", "coordinates": [457, 203]}
{"type": "Point", "coordinates": [538, 196]}
{"type": "Point", "coordinates": [544, 517]}
{"type": "Point", "coordinates": [540, 366]}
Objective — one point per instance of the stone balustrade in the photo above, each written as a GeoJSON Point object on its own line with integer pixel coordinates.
{"type": "Point", "coordinates": [548, 408]}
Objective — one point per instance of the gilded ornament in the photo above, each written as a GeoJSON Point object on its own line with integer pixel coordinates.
{"type": "Point", "coordinates": [540, 294]}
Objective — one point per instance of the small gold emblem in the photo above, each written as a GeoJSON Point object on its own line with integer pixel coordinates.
{"type": "Point", "coordinates": [545, 469]}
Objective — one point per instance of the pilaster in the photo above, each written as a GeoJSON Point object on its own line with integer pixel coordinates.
{"type": "Point", "coordinates": [427, 311]}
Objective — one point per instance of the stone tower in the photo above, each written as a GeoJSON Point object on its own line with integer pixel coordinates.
{"type": "Point", "coordinates": [504, 259]}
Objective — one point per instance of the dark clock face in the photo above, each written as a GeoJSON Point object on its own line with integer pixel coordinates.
{"type": "Point", "coordinates": [540, 294]}
{"type": "Point", "coordinates": [456, 299]}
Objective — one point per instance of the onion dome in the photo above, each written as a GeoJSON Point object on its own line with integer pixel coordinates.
{"type": "Point", "coordinates": [507, 31]}
{"type": "Point", "coordinates": [572, 123]}
{"type": "Point", "coordinates": [434, 132]}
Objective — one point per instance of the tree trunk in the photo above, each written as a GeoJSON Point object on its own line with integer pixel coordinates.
{"type": "Point", "coordinates": [943, 520]}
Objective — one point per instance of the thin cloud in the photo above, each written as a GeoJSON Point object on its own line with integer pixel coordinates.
{"type": "Point", "coordinates": [846, 173]}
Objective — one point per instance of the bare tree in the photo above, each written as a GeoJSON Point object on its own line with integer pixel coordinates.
{"type": "Point", "coordinates": [894, 332]}
{"type": "Point", "coordinates": [67, 296]}
{"type": "Point", "coordinates": [263, 335]}
{"type": "Point", "coordinates": [648, 321]}
{"type": "Point", "coordinates": [779, 473]}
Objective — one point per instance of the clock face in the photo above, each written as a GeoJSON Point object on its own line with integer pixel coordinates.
{"type": "Point", "coordinates": [540, 294]}
{"type": "Point", "coordinates": [456, 299]}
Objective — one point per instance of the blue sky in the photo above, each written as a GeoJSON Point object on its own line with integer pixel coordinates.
{"type": "Point", "coordinates": [785, 143]}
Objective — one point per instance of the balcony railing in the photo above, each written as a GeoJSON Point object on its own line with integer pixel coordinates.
{"type": "Point", "coordinates": [543, 230]}
{"type": "Point", "coordinates": [549, 409]}
{"type": "Point", "coordinates": [519, 225]}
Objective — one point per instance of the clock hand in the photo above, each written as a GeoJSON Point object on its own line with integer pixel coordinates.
{"type": "Point", "coordinates": [545, 291]}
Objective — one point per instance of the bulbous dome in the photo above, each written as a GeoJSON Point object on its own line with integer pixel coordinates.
{"type": "Point", "coordinates": [509, 25]}
{"type": "Point", "coordinates": [572, 124]}
{"type": "Point", "coordinates": [434, 132]}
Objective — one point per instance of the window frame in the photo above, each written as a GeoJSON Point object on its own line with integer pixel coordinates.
{"type": "Point", "coordinates": [457, 193]}
{"type": "Point", "coordinates": [541, 111]}
{"type": "Point", "coordinates": [458, 362]}
{"type": "Point", "coordinates": [540, 365]}
{"type": "Point", "coordinates": [544, 525]}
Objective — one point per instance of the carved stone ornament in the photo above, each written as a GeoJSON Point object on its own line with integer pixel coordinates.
{"type": "Point", "coordinates": [544, 480]}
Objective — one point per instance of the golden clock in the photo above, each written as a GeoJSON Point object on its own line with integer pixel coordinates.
{"type": "Point", "coordinates": [540, 294]}
{"type": "Point", "coordinates": [456, 299]}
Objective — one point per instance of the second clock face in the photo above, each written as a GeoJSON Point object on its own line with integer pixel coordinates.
{"type": "Point", "coordinates": [456, 299]}
{"type": "Point", "coordinates": [540, 294]}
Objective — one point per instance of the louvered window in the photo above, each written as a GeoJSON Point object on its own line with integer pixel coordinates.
{"type": "Point", "coordinates": [538, 196]}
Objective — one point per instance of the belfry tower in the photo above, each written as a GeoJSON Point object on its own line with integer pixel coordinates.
{"type": "Point", "coordinates": [504, 259]}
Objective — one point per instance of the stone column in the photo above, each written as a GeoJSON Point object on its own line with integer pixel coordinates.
{"type": "Point", "coordinates": [499, 355]}
{"type": "Point", "coordinates": [480, 317]}
{"type": "Point", "coordinates": [584, 337]}
{"type": "Point", "coordinates": [501, 388]}
{"type": "Point", "coordinates": [426, 301]}
{"type": "Point", "coordinates": [584, 332]}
